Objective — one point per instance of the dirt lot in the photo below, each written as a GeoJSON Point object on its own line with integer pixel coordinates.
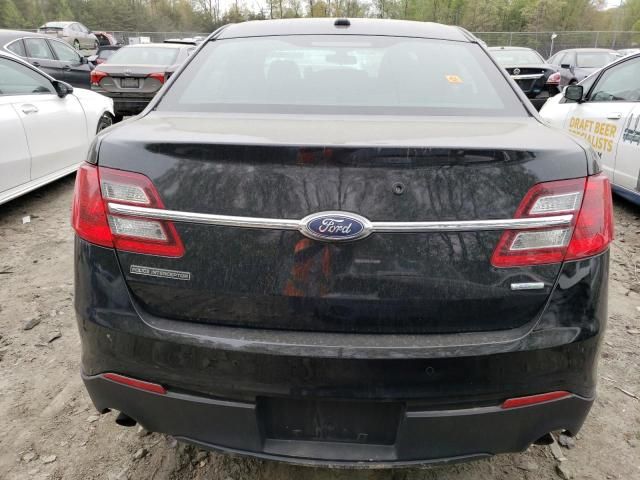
{"type": "Point", "coordinates": [49, 429]}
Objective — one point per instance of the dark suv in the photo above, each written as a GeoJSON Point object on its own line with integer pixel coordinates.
{"type": "Point", "coordinates": [342, 242]}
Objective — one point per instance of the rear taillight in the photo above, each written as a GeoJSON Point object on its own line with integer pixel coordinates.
{"type": "Point", "coordinates": [96, 188]}
{"type": "Point", "coordinates": [589, 233]}
{"type": "Point", "coordinates": [158, 76]}
{"type": "Point", "coordinates": [88, 216]}
{"type": "Point", "coordinates": [96, 76]}
{"type": "Point", "coordinates": [554, 79]}
{"type": "Point", "coordinates": [593, 231]}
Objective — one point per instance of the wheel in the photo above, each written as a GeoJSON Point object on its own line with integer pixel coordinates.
{"type": "Point", "coordinates": [76, 44]}
{"type": "Point", "coordinates": [106, 120]}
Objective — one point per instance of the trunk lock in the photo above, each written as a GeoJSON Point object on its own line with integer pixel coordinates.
{"type": "Point", "coordinates": [398, 188]}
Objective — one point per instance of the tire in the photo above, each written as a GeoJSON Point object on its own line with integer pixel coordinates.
{"type": "Point", "coordinates": [106, 120]}
{"type": "Point", "coordinates": [76, 44]}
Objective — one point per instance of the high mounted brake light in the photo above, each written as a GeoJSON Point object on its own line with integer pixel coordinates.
{"type": "Point", "coordinates": [591, 231]}
{"type": "Point", "coordinates": [96, 187]}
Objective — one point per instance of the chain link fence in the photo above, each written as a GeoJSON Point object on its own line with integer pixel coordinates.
{"type": "Point", "coordinates": [540, 41]}
{"type": "Point", "coordinates": [127, 38]}
{"type": "Point", "coordinates": [546, 45]}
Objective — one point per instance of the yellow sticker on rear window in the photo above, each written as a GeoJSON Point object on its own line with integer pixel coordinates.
{"type": "Point", "coordinates": [453, 79]}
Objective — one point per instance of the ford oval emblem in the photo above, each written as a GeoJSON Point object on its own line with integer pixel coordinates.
{"type": "Point", "coordinates": [335, 226]}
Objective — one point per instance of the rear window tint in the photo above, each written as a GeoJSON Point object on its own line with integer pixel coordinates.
{"type": "Point", "coordinates": [595, 59]}
{"type": "Point", "coordinates": [106, 54]}
{"type": "Point", "coordinates": [145, 56]}
{"type": "Point", "coordinates": [342, 74]}
{"type": "Point", "coordinates": [517, 57]}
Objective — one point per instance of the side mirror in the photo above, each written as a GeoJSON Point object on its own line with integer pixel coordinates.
{"type": "Point", "coordinates": [574, 92]}
{"type": "Point", "coordinates": [62, 88]}
{"type": "Point", "coordinates": [566, 65]}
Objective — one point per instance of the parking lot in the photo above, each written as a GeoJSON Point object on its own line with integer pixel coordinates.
{"type": "Point", "coordinates": [51, 431]}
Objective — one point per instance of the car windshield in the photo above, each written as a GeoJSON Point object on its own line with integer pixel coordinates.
{"type": "Point", "coordinates": [594, 59]}
{"type": "Point", "coordinates": [144, 56]}
{"type": "Point", "coordinates": [516, 57]}
{"type": "Point", "coordinates": [342, 75]}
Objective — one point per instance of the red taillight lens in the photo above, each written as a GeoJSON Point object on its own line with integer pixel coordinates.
{"type": "Point", "coordinates": [157, 76]}
{"type": "Point", "coordinates": [88, 216]}
{"type": "Point", "coordinates": [534, 399]}
{"type": "Point", "coordinates": [96, 76]}
{"type": "Point", "coordinates": [591, 231]}
{"type": "Point", "coordinates": [554, 79]}
{"type": "Point", "coordinates": [96, 187]}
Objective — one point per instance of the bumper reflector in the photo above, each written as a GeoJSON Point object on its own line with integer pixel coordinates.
{"type": "Point", "coordinates": [534, 399]}
{"type": "Point", "coordinates": [132, 382]}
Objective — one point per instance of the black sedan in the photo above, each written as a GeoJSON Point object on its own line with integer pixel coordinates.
{"type": "Point", "coordinates": [50, 55]}
{"type": "Point", "coordinates": [537, 79]}
{"type": "Point", "coordinates": [343, 242]}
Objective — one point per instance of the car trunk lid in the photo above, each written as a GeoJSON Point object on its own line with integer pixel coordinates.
{"type": "Point", "coordinates": [132, 79]}
{"type": "Point", "coordinates": [387, 170]}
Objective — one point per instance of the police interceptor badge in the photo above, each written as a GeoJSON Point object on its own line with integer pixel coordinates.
{"type": "Point", "coordinates": [159, 272]}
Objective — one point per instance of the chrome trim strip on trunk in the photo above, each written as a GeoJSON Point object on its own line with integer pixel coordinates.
{"type": "Point", "coordinates": [381, 227]}
{"type": "Point", "coordinates": [527, 286]}
{"type": "Point", "coordinates": [531, 76]}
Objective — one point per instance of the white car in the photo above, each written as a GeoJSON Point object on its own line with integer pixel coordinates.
{"type": "Point", "coordinates": [45, 126]}
{"type": "Point", "coordinates": [605, 111]}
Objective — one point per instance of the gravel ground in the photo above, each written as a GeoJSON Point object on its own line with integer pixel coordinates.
{"type": "Point", "coordinates": [49, 429]}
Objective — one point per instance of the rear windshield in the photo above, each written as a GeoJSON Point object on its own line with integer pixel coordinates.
{"type": "Point", "coordinates": [344, 75]}
{"type": "Point", "coordinates": [516, 57]}
{"type": "Point", "coordinates": [145, 56]}
{"type": "Point", "coordinates": [594, 59]}
{"type": "Point", "coordinates": [55, 26]}
{"type": "Point", "coordinates": [107, 53]}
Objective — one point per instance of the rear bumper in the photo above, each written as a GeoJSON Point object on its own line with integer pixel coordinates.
{"type": "Point", "coordinates": [423, 436]}
{"type": "Point", "coordinates": [448, 388]}
{"type": "Point", "coordinates": [540, 98]}
{"type": "Point", "coordinates": [126, 105]}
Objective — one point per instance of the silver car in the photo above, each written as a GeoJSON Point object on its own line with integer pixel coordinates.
{"type": "Point", "coordinates": [74, 33]}
{"type": "Point", "coordinates": [576, 64]}
{"type": "Point", "coordinates": [133, 75]}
